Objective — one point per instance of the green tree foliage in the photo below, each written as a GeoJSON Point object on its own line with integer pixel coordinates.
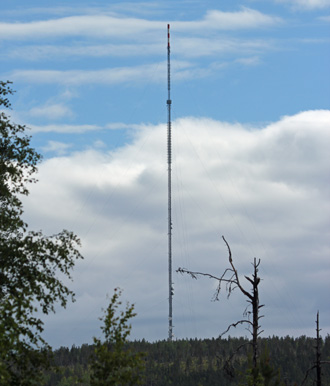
{"type": "Point", "coordinates": [114, 363]}
{"type": "Point", "coordinates": [264, 374]}
{"type": "Point", "coordinates": [30, 262]}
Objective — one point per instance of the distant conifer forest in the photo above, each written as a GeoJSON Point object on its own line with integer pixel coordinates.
{"type": "Point", "coordinates": [206, 362]}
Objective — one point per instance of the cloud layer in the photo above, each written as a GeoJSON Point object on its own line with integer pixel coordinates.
{"type": "Point", "coordinates": [103, 26]}
{"type": "Point", "coordinates": [307, 4]}
{"type": "Point", "coordinates": [266, 189]}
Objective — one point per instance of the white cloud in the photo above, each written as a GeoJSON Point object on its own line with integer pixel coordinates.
{"type": "Point", "coordinates": [200, 46]}
{"type": "Point", "coordinates": [104, 76]}
{"type": "Point", "coordinates": [63, 128]}
{"type": "Point", "coordinates": [307, 4]}
{"type": "Point", "coordinates": [245, 18]}
{"type": "Point", "coordinates": [99, 144]}
{"type": "Point", "coordinates": [150, 73]}
{"type": "Point", "coordinates": [184, 46]}
{"type": "Point", "coordinates": [59, 148]}
{"type": "Point", "coordinates": [37, 52]}
{"type": "Point", "coordinates": [103, 26]}
{"type": "Point", "coordinates": [249, 61]}
{"type": "Point", "coordinates": [265, 189]}
{"type": "Point", "coordinates": [51, 111]}
{"type": "Point", "coordinates": [77, 129]}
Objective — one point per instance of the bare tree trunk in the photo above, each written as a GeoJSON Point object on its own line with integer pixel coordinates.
{"type": "Point", "coordinates": [254, 300]}
{"type": "Point", "coordinates": [318, 363]}
{"type": "Point", "coordinates": [231, 278]}
{"type": "Point", "coordinates": [255, 311]}
{"type": "Point", "coordinates": [318, 353]}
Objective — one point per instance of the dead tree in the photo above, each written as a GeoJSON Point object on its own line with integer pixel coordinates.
{"type": "Point", "coordinates": [232, 281]}
{"type": "Point", "coordinates": [318, 362]}
{"type": "Point", "coordinates": [318, 352]}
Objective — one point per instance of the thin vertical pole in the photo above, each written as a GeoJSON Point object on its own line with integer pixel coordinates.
{"type": "Point", "coordinates": [169, 172]}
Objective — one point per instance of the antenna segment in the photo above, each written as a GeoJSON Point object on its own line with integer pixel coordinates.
{"type": "Point", "coordinates": [169, 172]}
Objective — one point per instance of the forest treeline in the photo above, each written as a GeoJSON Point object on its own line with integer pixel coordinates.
{"type": "Point", "coordinates": [199, 362]}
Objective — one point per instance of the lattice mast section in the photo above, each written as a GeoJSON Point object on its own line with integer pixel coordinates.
{"type": "Point", "coordinates": [169, 178]}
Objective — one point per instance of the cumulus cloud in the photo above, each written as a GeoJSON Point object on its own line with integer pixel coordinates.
{"type": "Point", "coordinates": [265, 189]}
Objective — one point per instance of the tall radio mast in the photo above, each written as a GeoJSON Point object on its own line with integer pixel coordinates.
{"type": "Point", "coordinates": [169, 172]}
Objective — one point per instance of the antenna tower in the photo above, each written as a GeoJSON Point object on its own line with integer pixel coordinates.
{"type": "Point", "coordinates": [169, 172]}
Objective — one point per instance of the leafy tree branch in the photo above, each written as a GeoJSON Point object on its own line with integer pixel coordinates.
{"type": "Point", "coordinates": [113, 363]}
{"type": "Point", "coordinates": [30, 262]}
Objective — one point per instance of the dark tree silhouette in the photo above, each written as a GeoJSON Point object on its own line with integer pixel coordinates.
{"type": "Point", "coordinates": [318, 362]}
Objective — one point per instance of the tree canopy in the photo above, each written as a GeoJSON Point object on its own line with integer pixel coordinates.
{"type": "Point", "coordinates": [30, 262]}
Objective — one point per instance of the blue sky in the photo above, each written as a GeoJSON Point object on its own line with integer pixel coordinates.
{"type": "Point", "coordinates": [251, 93]}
